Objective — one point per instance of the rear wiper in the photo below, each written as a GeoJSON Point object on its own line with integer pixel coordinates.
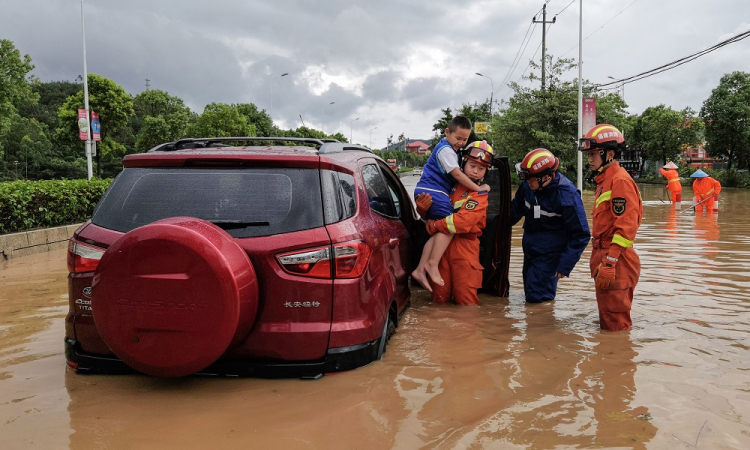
{"type": "Point", "coordinates": [234, 224]}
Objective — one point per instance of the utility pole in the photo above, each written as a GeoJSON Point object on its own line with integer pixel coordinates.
{"type": "Point", "coordinates": [148, 84]}
{"type": "Point", "coordinates": [544, 39]}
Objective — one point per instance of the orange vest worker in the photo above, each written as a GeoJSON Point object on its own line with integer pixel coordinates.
{"type": "Point", "coordinates": [705, 187]}
{"type": "Point", "coordinates": [673, 182]}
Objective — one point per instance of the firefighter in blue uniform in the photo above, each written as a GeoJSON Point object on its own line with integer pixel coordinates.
{"type": "Point", "coordinates": [555, 228]}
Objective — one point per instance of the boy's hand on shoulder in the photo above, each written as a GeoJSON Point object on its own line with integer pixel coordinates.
{"type": "Point", "coordinates": [485, 187]}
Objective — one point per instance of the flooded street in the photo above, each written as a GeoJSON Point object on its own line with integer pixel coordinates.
{"type": "Point", "coordinates": [505, 375]}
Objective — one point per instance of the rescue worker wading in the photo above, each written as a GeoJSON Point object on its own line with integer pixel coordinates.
{"type": "Point", "coordinates": [459, 267]}
{"type": "Point", "coordinates": [669, 171]}
{"type": "Point", "coordinates": [617, 214]}
{"type": "Point", "coordinates": [556, 231]}
{"type": "Point", "coordinates": [706, 190]}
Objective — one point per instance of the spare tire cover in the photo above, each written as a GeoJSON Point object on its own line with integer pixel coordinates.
{"type": "Point", "coordinates": [169, 298]}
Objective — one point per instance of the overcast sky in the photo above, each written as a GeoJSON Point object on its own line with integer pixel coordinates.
{"type": "Point", "coordinates": [393, 64]}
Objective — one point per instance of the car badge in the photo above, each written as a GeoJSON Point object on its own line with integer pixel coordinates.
{"type": "Point", "coordinates": [87, 291]}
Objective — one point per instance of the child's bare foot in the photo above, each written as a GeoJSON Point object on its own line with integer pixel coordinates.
{"type": "Point", "coordinates": [421, 277]}
{"type": "Point", "coordinates": [434, 273]}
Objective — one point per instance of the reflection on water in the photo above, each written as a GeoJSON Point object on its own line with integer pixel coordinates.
{"type": "Point", "coordinates": [505, 375]}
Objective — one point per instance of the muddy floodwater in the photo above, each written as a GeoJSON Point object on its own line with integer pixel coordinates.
{"type": "Point", "coordinates": [505, 375]}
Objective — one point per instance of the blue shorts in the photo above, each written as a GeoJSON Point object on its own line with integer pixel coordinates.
{"type": "Point", "coordinates": [441, 207]}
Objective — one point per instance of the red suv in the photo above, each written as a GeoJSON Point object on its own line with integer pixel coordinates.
{"type": "Point", "coordinates": [232, 256]}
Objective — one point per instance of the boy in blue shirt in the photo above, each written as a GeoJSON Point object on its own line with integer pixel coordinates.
{"type": "Point", "coordinates": [441, 172]}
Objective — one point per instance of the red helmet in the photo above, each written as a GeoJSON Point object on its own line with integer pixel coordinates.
{"type": "Point", "coordinates": [479, 151]}
{"type": "Point", "coordinates": [602, 138]}
{"type": "Point", "coordinates": [537, 163]}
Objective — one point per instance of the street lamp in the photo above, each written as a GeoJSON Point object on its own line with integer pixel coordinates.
{"type": "Point", "coordinates": [492, 92]}
{"type": "Point", "coordinates": [322, 122]}
{"type": "Point", "coordinates": [272, 85]}
{"type": "Point", "coordinates": [371, 136]}
{"type": "Point", "coordinates": [351, 135]}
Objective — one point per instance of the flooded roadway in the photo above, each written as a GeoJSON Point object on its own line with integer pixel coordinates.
{"type": "Point", "coordinates": [505, 375]}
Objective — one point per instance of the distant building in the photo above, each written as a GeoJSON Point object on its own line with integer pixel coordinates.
{"type": "Point", "coordinates": [417, 147]}
{"type": "Point", "coordinates": [697, 157]}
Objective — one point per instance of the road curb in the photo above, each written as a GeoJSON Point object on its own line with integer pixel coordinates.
{"type": "Point", "coordinates": [27, 243]}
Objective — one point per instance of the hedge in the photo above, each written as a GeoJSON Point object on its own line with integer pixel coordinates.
{"type": "Point", "coordinates": [26, 205]}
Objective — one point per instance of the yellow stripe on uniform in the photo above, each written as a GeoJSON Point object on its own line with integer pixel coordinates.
{"type": "Point", "coordinates": [451, 225]}
{"type": "Point", "coordinates": [673, 180]}
{"type": "Point", "coordinates": [603, 198]}
{"type": "Point", "coordinates": [459, 204]}
{"type": "Point", "coordinates": [621, 241]}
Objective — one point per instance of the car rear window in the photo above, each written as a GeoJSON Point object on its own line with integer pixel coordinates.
{"type": "Point", "coordinates": [245, 202]}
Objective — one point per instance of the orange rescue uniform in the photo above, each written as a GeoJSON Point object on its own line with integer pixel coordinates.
{"type": "Point", "coordinates": [459, 267]}
{"type": "Point", "coordinates": [618, 210]}
{"type": "Point", "coordinates": [704, 188]}
{"type": "Point", "coordinates": [673, 184]}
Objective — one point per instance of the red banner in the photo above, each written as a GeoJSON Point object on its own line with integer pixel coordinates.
{"type": "Point", "coordinates": [589, 114]}
{"type": "Point", "coordinates": [83, 125]}
{"type": "Point", "coordinates": [96, 126]}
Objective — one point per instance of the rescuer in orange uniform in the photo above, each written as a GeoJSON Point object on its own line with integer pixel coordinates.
{"type": "Point", "coordinates": [459, 267]}
{"type": "Point", "coordinates": [669, 171]}
{"type": "Point", "coordinates": [617, 214]}
{"type": "Point", "coordinates": [705, 187]}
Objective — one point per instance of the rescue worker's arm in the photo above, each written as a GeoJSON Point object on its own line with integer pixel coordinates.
{"type": "Point", "coordinates": [423, 203]}
{"type": "Point", "coordinates": [626, 207]}
{"type": "Point", "coordinates": [471, 211]}
{"type": "Point", "coordinates": [466, 182]}
{"type": "Point", "coordinates": [664, 173]}
{"type": "Point", "coordinates": [517, 206]}
{"type": "Point", "coordinates": [574, 219]}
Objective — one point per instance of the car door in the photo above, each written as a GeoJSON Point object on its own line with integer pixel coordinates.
{"type": "Point", "coordinates": [388, 206]}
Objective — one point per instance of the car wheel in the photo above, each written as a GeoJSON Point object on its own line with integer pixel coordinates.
{"type": "Point", "coordinates": [170, 298]}
{"type": "Point", "coordinates": [389, 329]}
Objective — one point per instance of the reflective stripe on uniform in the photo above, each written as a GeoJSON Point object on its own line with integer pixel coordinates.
{"type": "Point", "coordinates": [673, 180]}
{"type": "Point", "coordinates": [459, 204]}
{"type": "Point", "coordinates": [543, 212]}
{"type": "Point", "coordinates": [621, 241]}
{"type": "Point", "coordinates": [450, 224]}
{"type": "Point", "coordinates": [603, 198]}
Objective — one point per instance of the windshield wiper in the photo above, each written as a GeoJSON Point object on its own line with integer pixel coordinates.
{"type": "Point", "coordinates": [234, 224]}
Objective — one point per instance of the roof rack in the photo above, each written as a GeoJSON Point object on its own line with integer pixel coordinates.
{"type": "Point", "coordinates": [322, 145]}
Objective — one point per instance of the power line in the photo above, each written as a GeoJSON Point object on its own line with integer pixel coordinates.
{"type": "Point", "coordinates": [516, 59]}
{"type": "Point", "coordinates": [599, 29]}
{"type": "Point", "coordinates": [678, 62]}
{"type": "Point", "coordinates": [513, 68]}
{"type": "Point", "coordinates": [571, 2]}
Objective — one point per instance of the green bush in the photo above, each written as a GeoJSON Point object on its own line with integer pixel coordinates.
{"type": "Point", "coordinates": [25, 205]}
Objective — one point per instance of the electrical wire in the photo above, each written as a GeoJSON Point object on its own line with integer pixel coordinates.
{"type": "Point", "coordinates": [599, 29]}
{"type": "Point", "coordinates": [678, 62]}
{"type": "Point", "coordinates": [517, 60]}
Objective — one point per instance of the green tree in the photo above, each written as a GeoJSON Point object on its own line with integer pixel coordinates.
{"type": "Point", "coordinates": [534, 118]}
{"type": "Point", "coordinates": [15, 81]}
{"type": "Point", "coordinates": [726, 113]}
{"type": "Point", "coordinates": [220, 120]}
{"type": "Point", "coordinates": [159, 117]}
{"type": "Point", "coordinates": [663, 133]}
{"type": "Point", "coordinates": [16, 93]}
{"type": "Point", "coordinates": [259, 118]}
{"type": "Point", "coordinates": [115, 108]}
{"type": "Point", "coordinates": [52, 95]}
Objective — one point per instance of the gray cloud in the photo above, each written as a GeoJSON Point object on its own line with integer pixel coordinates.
{"type": "Point", "coordinates": [393, 63]}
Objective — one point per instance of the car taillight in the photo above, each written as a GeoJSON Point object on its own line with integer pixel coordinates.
{"type": "Point", "coordinates": [314, 263]}
{"type": "Point", "coordinates": [83, 257]}
{"type": "Point", "coordinates": [349, 259]}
